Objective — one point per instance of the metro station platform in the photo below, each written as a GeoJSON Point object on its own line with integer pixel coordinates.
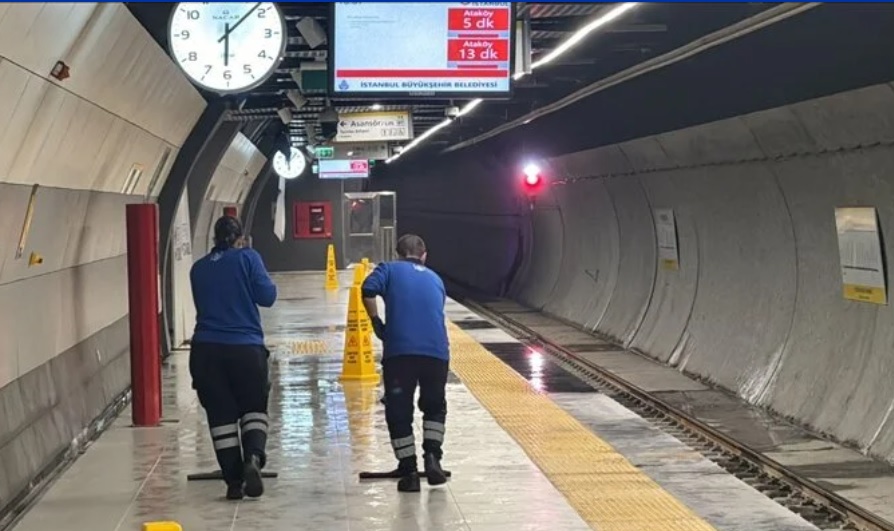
{"type": "Point", "coordinates": [520, 460]}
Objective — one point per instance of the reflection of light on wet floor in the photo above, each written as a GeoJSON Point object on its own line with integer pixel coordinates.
{"type": "Point", "coordinates": [536, 361]}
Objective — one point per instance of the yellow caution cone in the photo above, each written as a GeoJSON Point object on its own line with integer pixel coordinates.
{"type": "Point", "coordinates": [359, 363]}
{"type": "Point", "coordinates": [331, 272]}
{"type": "Point", "coordinates": [366, 269]}
{"type": "Point", "coordinates": [162, 526]}
{"type": "Point", "coordinates": [359, 275]}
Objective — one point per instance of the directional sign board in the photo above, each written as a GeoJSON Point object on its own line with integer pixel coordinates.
{"type": "Point", "coordinates": [374, 127]}
{"type": "Point", "coordinates": [324, 152]}
{"type": "Point", "coordinates": [361, 151]}
{"type": "Point", "coordinates": [344, 169]}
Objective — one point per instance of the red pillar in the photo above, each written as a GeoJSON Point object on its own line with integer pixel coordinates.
{"type": "Point", "coordinates": [142, 278]}
{"type": "Point", "coordinates": [230, 211]}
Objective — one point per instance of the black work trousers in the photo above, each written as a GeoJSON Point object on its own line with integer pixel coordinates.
{"type": "Point", "coordinates": [233, 385]}
{"type": "Point", "coordinates": [402, 374]}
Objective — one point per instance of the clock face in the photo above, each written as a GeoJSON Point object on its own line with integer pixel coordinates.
{"type": "Point", "coordinates": [289, 169]}
{"type": "Point", "coordinates": [227, 47]}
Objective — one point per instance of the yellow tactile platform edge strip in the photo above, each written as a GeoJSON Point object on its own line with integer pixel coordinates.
{"type": "Point", "coordinates": [312, 346]}
{"type": "Point", "coordinates": [605, 489]}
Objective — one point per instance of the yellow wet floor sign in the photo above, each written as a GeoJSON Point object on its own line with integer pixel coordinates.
{"type": "Point", "coordinates": [331, 272]}
{"type": "Point", "coordinates": [359, 363]}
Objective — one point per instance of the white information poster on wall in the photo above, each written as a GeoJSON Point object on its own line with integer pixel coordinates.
{"type": "Point", "coordinates": [860, 251]}
{"type": "Point", "coordinates": [666, 230]}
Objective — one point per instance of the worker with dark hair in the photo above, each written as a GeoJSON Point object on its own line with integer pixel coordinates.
{"type": "Point", "coordinates": [228, 359]}
{"type": "Point", "coordinates": [416, 353]}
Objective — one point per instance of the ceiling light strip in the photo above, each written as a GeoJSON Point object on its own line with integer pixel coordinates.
{"type": "Point", "coordinates": [600, 21]}
{"type": "Point", "coordinates": [739, 29]}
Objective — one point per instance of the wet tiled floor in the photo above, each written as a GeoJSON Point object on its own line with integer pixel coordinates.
{"type": "Point", "coordinates": [323, 434]}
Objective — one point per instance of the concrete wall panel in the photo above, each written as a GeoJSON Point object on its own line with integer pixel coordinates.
{"type": "Point", "coordinates": [746, 280]}
{"type": "Point", "coordinates": [756, 305]}
{"type": "Point", "coordinates": [57, 139]}
{"type": "Point", "coordinates": [114, 63]}
{"type": "Point", "coordinates": [68, 228]}
{"type": "Point", "coordinates": [728, 140]}
{"type": "Point", "coordinates": [589, 270]}
{"type": "Point", "coordinates": [543, 271]}
{"type": "Point", "coordinates": [93, 143]}
{"type": "Point", "coordinates": [636, 262]}
{"type": "Point", "coordinates": [238, 169]}
{"type": "Point", "coordinates": [36, 35]}
{"type": "Point", "coordinates": [48, 314]}
{"type": "Point", "coordinates": [673, 296]}
{"type": "Point", "coordinates": [861, 117]}
{"type": "Point", "coordinates": [646, 154]}
{"type": "Point", "coordinates": [608, 160]}
{"type": "Point", "coordinates": [780, 133]}
{"type": "Point", "coordinates": [830, 335]}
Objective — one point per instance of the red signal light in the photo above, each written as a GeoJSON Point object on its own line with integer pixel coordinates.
{"type": "Point", "coordinates": [533, 179]}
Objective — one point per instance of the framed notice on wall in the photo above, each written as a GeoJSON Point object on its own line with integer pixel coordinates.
{"type": "Point", "coordinates": [666, 232]}
{"type": "Point", "coordinates": [860, 251]}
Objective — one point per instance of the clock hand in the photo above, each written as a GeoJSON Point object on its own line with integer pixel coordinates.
{"type": "Point", "coordinates": [227, 45]}
{"type": "Point", "coordinates": [241, 20]}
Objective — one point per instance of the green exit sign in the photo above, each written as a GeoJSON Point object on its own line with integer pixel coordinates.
{"type": "Point", "coordinates": [324, 152]}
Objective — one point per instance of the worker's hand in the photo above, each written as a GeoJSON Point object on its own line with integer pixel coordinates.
{"type": "Point", "coordinates": [378, 328]}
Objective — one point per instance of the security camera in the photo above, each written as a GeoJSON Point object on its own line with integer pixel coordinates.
{"type": "Point", "coordinates": [285, 114]}
{"type": "Point", "coordinates": [328, 120]}
{"type": "Point", "coordinates": [297, 99]}
{"type": "Point", "coordinates": [451, 112]}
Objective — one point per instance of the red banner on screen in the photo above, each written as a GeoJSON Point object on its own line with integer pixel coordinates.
{"type": "Point", "coordinates": [478, 19]}
{"type": "Point", "coordinates": [478, 50]}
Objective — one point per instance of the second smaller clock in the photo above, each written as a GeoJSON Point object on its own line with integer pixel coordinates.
{"type": "Point", "coordinates": [291, 168]}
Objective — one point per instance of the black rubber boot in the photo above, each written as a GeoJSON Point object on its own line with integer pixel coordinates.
{"type": "Point", "coordinates": [433, 470]}
{"type": "Point", "coordinates": [409, 483]}
{"type": "Point", "coordinates": [234, 491]}
{"type": "Point", "coordinates": [254, 485]}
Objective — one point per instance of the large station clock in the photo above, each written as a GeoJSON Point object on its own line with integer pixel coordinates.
{"type": "Point", "coordinates": [227, 47]}
{"type": "Point", "coordinates": [291, 168]}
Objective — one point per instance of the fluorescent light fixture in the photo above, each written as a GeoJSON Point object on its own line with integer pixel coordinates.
{"type": "Point", "coordinates": [582, 33]}
{"type": "Point", "coordinates": [612, 14]}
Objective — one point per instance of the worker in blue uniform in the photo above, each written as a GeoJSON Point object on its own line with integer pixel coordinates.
{"type": "Point", "coordinates": [228, 358]}
{"type": "Point", "coordinates": [416, 353]}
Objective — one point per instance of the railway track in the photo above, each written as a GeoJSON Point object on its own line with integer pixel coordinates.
{"type": "Point", "coordinates": [816, 504]}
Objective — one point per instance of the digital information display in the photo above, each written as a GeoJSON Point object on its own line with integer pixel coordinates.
{"type": "Point", "coordinates": [343, 169]}
{"type": "Point", "coordinates": [422, 48]}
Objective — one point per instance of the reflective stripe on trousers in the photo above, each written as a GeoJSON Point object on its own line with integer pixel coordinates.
{"type": "Point", "coordinates": [255, 422]}
{"type": "Point", "coordinates": [433, 431]}
{"type": "Point", "coordinates": [404, 447]}
{"type": "Point", "coordinates": [226, 436]}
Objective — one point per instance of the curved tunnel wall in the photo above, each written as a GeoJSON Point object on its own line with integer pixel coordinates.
{"type": "Point", "coordinates": [102, 138]}
{"type": "Point", "coordinates": [756, 305]}
{"type": "Point", "coordinates": [229, 185]}
{"type": "Point", "coordinates": [473, 229]}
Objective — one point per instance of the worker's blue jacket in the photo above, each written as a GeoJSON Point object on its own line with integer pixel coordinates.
{"type": "Point", "coordinates": [227, 288]}
{"type": "Point", "coordinates": [414, 309]}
